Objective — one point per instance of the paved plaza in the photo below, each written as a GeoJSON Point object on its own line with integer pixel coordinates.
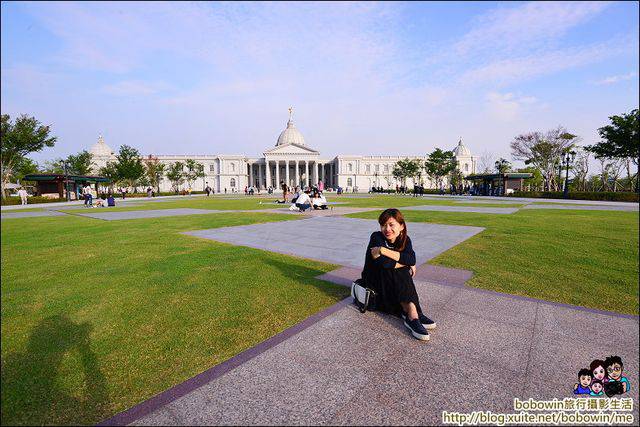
{"type": "Point", "coordinates": [336, 240]}
{"type": "Point", "coordinates": [346, 368]}
{"type": "Point", "coordinates": [157, 213]}
{"type": "Point", "coordinates": [30, 214]}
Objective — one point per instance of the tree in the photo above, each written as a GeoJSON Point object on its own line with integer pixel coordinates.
{"type": "Point", "coordinates": [195, 170]}
{"type": "Point", "coordinates": [440, 164]}
{"type": "Point", "coordinates": [26, 166]}
{"type": "Point", "coordinates": [544, 152]}
{"type": "Point", "coordinates": [502, 166]}
{"type": "Point", "coordinates": [456, 178]}
{"type": "Point", "coordinates": [25, 135]}
{"type": "Point", "coordinates": [620, 140]}
{"type": "Point", "coordinates": [79, 164]}
{"type": "Point", "coordinates": [129, 166]}
{"type": "Point", "coordinates": [110, 172]}
{"type": "Point", "coordinates": [154, 171]}
{"type": "Point", "coordinates": [400, 171]}
{"type": "Point", "coordinates": [536, 182]}
{"type": "Point", "coordinates": [175, 174]}
{"type": "Point", "coordinates": [581, 170]}
{"type": "Point", "coordinates": [486, 161]}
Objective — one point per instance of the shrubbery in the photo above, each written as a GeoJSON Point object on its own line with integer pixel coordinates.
{"type": "Point", "coordinates": [618, 196]}
{"type": "Point", "coordinates": [15, 200]}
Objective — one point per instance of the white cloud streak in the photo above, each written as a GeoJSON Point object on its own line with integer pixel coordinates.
{"type": "Point", "coordinates": [616, 79]}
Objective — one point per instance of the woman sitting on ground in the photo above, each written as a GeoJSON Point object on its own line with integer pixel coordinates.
{"type": "Point", "coordinates": [318, 201]}
{"type": "Point", "coordinates": [303, 202]}
{"type": "Point", "coordinates": [388, 270]}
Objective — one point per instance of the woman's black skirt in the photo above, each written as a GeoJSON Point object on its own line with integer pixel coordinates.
{"type": "Point", "coordinates": [393, 286]}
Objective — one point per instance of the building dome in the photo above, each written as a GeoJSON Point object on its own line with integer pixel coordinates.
{"type": "Point", "coordinates": [100, 149]}
{"type": "Point", "coordinates": [290, 135]}
{"type": "Point", "coordinates": [461, 150]}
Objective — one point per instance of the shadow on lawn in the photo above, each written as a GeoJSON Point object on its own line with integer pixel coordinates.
{"type": "Point", "coordinates": [33, 386]}
{"type": "Point", "coordinates": [308, 276]}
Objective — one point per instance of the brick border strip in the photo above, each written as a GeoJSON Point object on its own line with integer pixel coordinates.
{"type": "Point", "coordinates": [159, 400]}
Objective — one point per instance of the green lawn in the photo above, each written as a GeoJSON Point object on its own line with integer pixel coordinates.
{"type": "Point", "coordinates": [402, 201]}
{"type": "Point", "coordinates": [242, 203]}
{"type": "Point", "coordinates": [98, 316]}
{"type": "Point", "coordinates": [587, 258]}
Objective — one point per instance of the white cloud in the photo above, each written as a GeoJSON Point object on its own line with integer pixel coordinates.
{"type": "Point", "coordinates": [615, 79]}
{"type": "Point", "coordinates": [526, 25]}
{"type": "Point", "coordinates": [512, 70]}
{"type": "Point", "coordinates": [506, 106]}
{"type": "Point", "coordinates": [135, 88]}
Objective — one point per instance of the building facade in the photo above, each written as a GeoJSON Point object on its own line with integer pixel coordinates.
{"type": "Point", "coordinates": [293, 162]}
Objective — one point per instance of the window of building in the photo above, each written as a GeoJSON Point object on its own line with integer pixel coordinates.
{"type": "Point", "coordinates": [466, 167]}
{"type": "Point", "coordinates": [386, 168]}
{"type": "Point", "coordinates": [233, 169]}
{"type": "Point", "coordinates": [350, 167]}
{"type": "Point", "coordinates": [368, 168]}
{"type": "Point", "coordinates": [232, 182]}
{"type": "Point", "coordinates": [211, 169]}
{"type": "Point", "coordinates": [377, 168]}
{"type": "Point", "coordinates": [349, 182]}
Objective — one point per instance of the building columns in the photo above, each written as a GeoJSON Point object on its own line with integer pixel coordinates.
{"type": "Point", "coordinates": [260, 175]}
{"type": "Point", "coordinates": [286, 163]}
{"type": "Point", "coordinates": [251, 174]}
{"type": "Point", "coordinates": [316, 178]}
{"type": "Point", "coordinates": [297, 174]}
{"type": "Point", "coordinates": [306, 173]}
{"type": "Point", "coordinates": [268, 174]}
{"type": "Point", "coordinates": [277, 174]}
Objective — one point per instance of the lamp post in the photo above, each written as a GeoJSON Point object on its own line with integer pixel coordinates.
{"type": "Point", "coordinates": [66, 180]}
{"type": "Point", "coordinates": [567, 159]}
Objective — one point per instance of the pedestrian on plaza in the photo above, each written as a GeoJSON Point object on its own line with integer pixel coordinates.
{"type": "Point", "coordinates": [149, 192]}
{"type": "Point", "coordinates": [389, 269]}
{"type": "Point", "coordinates": [23, 196]}
{"type": "Point", "coordinates": [123, 191]}
{"type": "Point", "coordinates": [88, 197]}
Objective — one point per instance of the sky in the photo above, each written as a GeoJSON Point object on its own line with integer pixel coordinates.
{"type": "Point", "coordinates": [363, 78]}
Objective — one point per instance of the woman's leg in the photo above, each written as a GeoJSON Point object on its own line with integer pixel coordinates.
{"type": "Point", "coordinates": [410, 310]}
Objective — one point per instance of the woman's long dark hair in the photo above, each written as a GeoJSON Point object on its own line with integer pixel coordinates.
{"type": "Point", "coordinates": [401, 240]}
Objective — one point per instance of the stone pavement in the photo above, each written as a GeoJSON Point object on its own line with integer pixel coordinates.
{"type": "Point", "coordinates": [29, 214]}
{"type": "Point", "coordinates": [346, 368]}
{"type": "Point", "coordinates": [630, 208]}
{"type": "Point", "coordinates": [157, 213]}
{"type": "Point", "coordinates": [336, 240]}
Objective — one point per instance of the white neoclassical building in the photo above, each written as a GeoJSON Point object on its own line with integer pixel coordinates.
{"type": "Point", "coordinates": [293, 162]}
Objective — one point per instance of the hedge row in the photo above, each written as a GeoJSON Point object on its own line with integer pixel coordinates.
{"type": "Point", "coordinates": [581, 195]}
{"type": "Point", "coordinates": [15, 200]}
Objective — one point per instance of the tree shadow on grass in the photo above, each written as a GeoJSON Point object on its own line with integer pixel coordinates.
{"type": "Point", "coordinates": [308, 276]}
{"type": "Point", "coordinates": [33, 386]}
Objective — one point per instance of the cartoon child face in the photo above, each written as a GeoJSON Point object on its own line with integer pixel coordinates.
{"type": "Point", "coordinates": [615, 371]}
{"type": "Point", "coordinates": [585, 380]}
{"type": "Point", "coordinates": [599, 373]}
{"type": "Point", "coordinates": [596, 387]}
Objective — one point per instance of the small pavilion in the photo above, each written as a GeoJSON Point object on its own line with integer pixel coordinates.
{"type": "Point", "coordinates": [498, 184]}
{"type": "Point", "coordinates": [50, 184]}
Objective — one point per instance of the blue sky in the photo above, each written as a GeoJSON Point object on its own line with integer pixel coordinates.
{"type": "Point", "coordinates": [363, 78]}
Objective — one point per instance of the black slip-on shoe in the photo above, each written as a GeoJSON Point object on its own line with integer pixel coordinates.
{"type": "Point", "coordinates": [417, 330]}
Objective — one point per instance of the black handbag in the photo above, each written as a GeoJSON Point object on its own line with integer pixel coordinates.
{"type": "Point", "coordinates": [364, 298]}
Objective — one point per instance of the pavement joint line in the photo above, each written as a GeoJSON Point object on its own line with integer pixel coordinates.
{"type": "Point", "coordinates": [533, 334]}
{"type": "Point", "coordinates": [162, 399]}
{"type": "Point", "coordinates": [542, 301]}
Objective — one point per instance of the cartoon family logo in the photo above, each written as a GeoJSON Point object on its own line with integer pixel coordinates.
{"type": "Point", "coordinates": [602, 377]}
